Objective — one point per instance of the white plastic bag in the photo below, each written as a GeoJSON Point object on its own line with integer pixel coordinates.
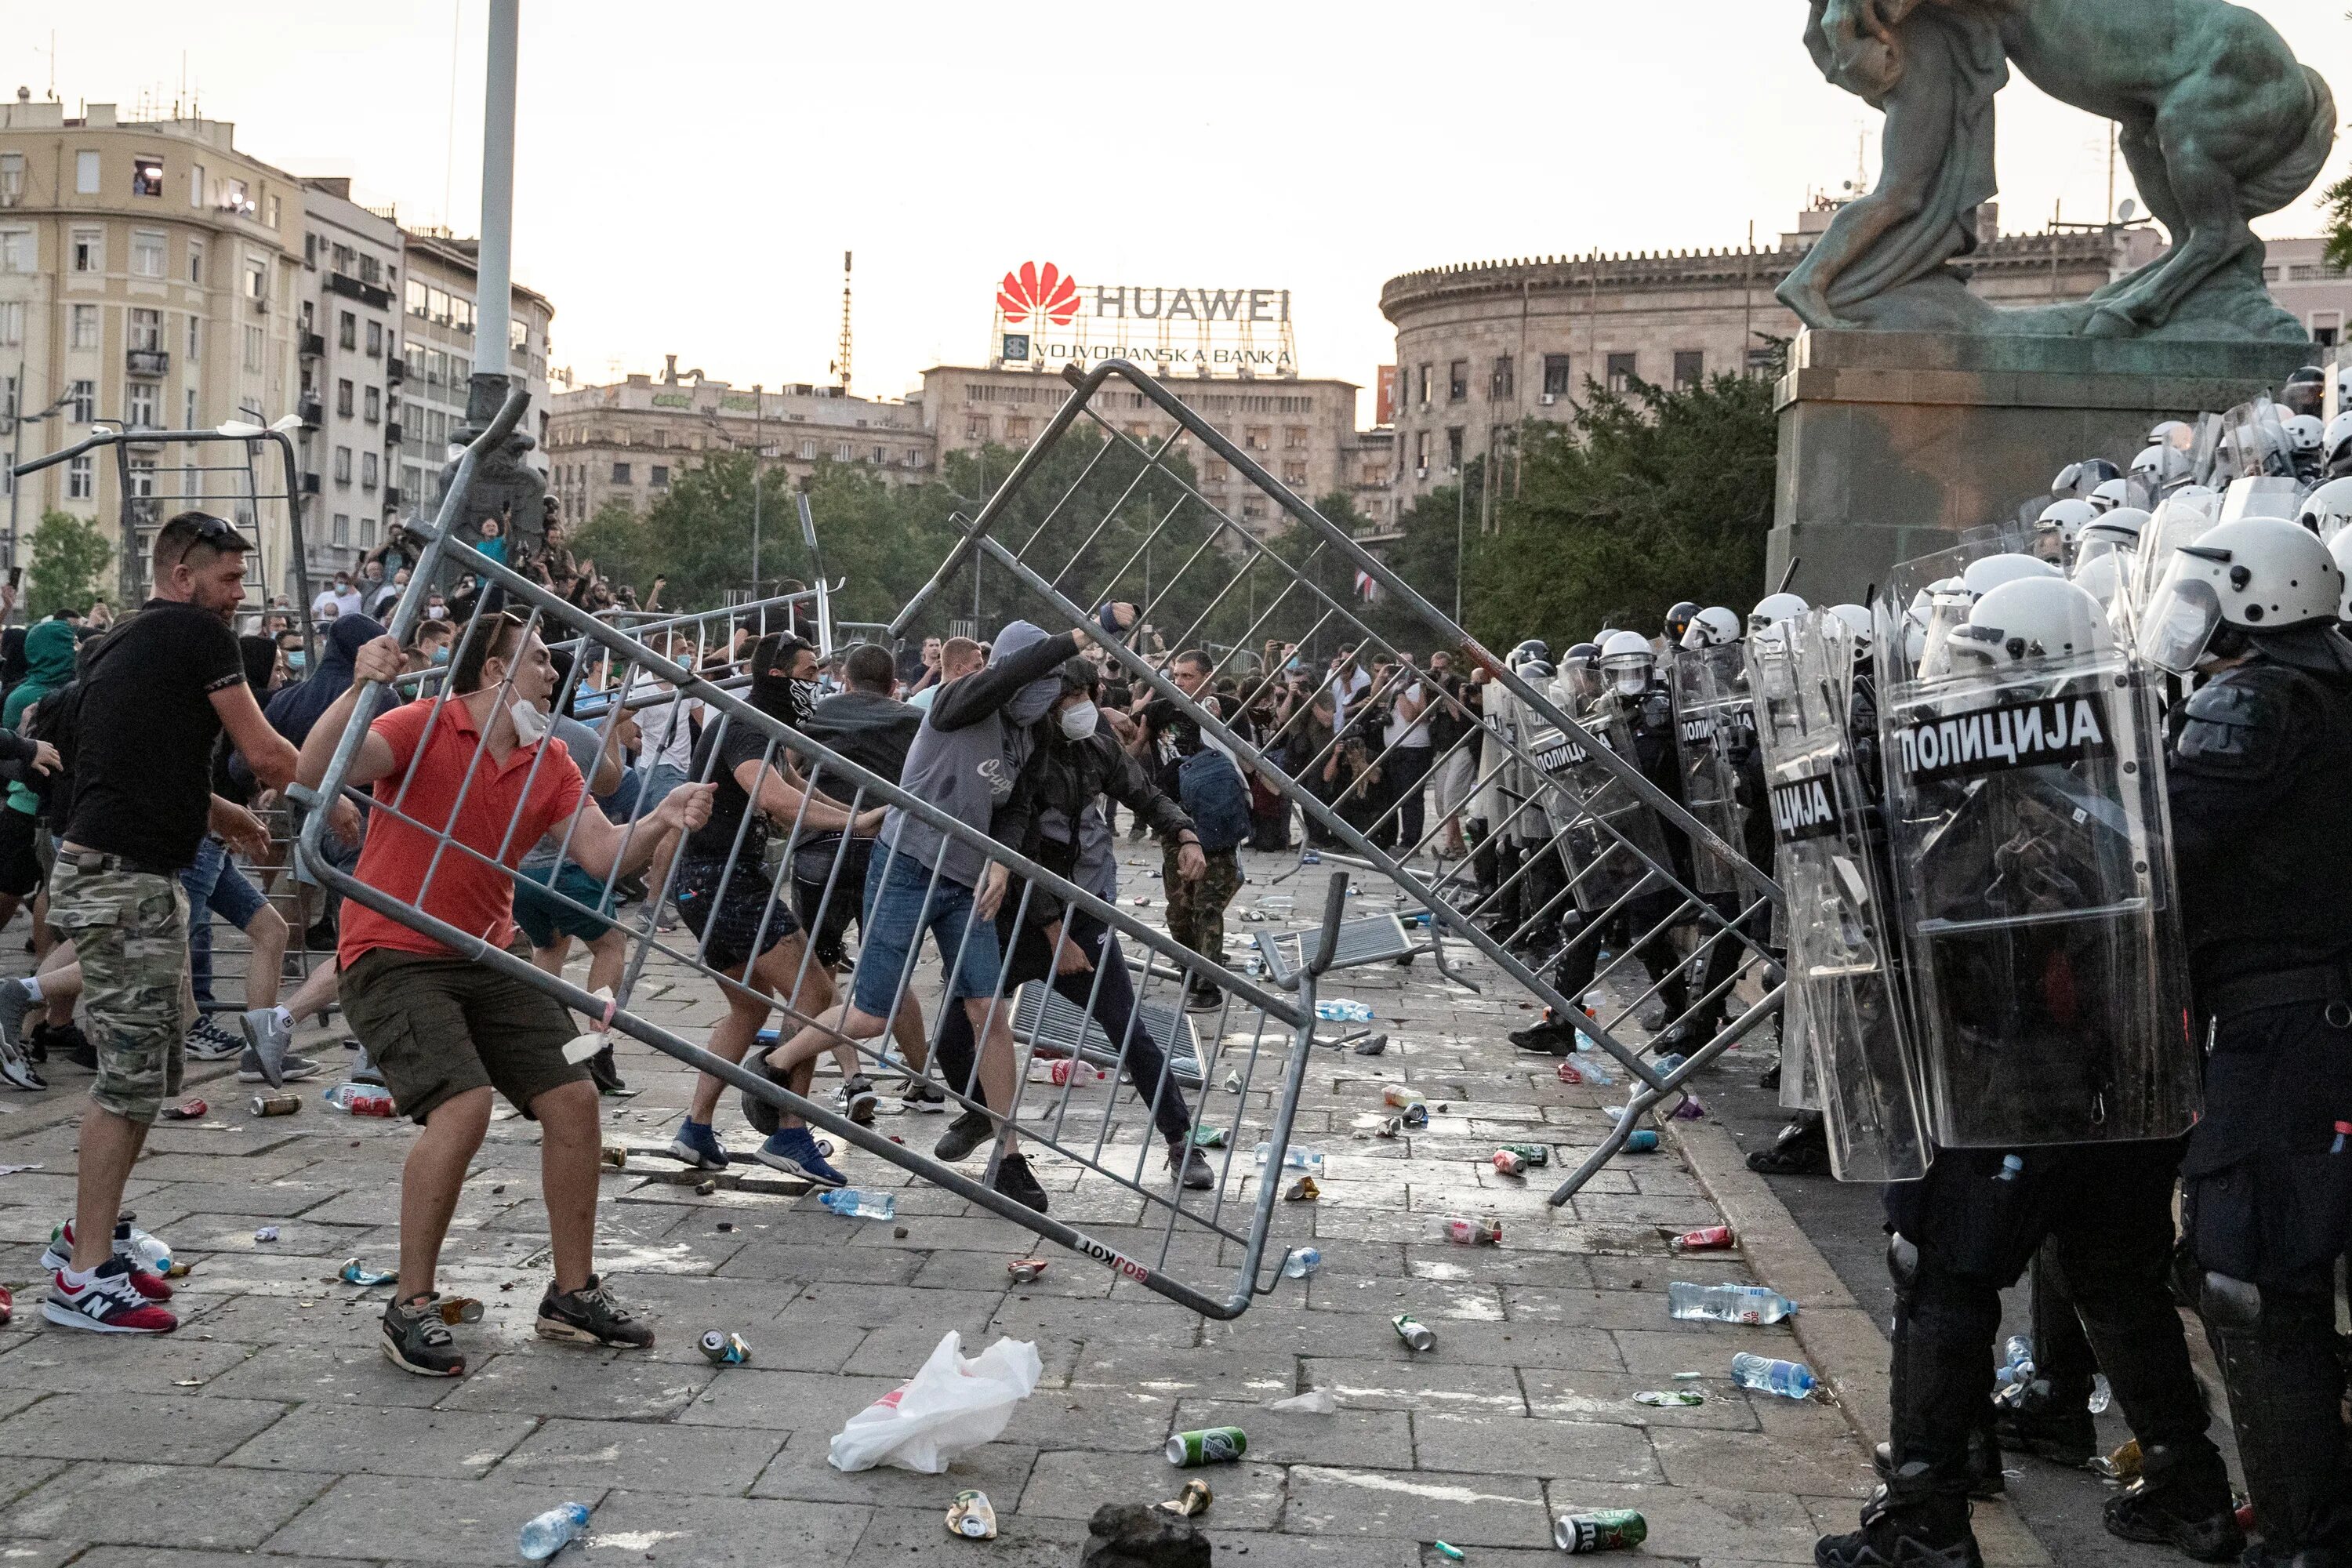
{"type": "Point", "coordinates": [953, 1403]}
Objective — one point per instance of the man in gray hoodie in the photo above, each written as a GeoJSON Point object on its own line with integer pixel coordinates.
{"type": "Point", "coordinates": [965, 758]}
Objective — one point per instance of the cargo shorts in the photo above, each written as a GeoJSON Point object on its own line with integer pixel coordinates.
{"type": "Point", "coordinates": [129, 930]}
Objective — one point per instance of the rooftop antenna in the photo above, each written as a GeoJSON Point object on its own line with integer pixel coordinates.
{"type": "Point", "coordinates": [841, 361]}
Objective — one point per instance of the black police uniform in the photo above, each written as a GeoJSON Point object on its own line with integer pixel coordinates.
{"type": "Point", "coordinates": [1652, 718]}
{"type": "Point", "coordinates": [2262, 841]}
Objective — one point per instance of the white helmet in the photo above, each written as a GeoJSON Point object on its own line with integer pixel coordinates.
{"type": "Point", "coordinates": [2032, 617]}
{"type": "Point", "coordinates": [1983, 576]}
{"type": "Point", "coordinates": [2171, 433]}
{"type": "Point", "coordinates": [2258, 574]}
{"type": "Point", "coordinates": [1774, 608]}
{"type": "Point", "coordinates": [1857, 621]}
{"type": "Point", "coordinates": [2110, 495]}
{"type": "Point", "coordinates": [1627, 659]}
{"type": "Point", "coordinates": [2067, 517]}
{"type": "Point", "coordinates": [2328, 508]}
{"type": "Point", "coordinates": [2101, 576]}
{"type": "Point", "coordinates": [1714, 627]}
{"type": "Point", "coordinates": [2305, 435]}
{"type": "Point", "coordinates": [2161, 466]}
{"type": "Point", "coordinates": [2122, 526]}
{"type": "Point", "coordinates": [2337, 442]}
{"type": "Point", "coordinates": [2339, 550]}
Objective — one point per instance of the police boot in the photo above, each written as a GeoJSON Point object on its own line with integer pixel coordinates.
{"type": "Point", "coordinates": [1801, 1150]}
{"type": "Point", "coordinates": [2049, 1426]}
{"type": "Point", "coordinates": [1986, 1481]}
{"type": "Point", "coordinates": [2182, 1500]}
{"type": "Point", "coordinates": [1908, 1522]}
{"type": "Point", "coordinates": [1553, 1037]}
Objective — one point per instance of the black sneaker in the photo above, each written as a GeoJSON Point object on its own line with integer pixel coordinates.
{"type": "Point", "coordinates": [926, 1098]}
{"type": "Point", "coordinates": [1929, 1532]}
{"type": "Point", "coordinates": [1801, 1150]}
{"type": "Point", "coordinates": [964, 1134]}
{"type": "Point", "coordinates": [605, 1074]}
{"type": "Point", "coordinates": [1018, 1182]}
{"type": "Point", "coordinates": [589, 1316]}
{"type": "Point", "coordinates": [856, 1099]}
{"type": "Point", "coordinates": [1203, 998]}
{"type": "Point", "coordinates": [417, 1340]}
{"type": "Point", "coordinates": [2181, 1501]}
{"type": "Point", "coordinates": [1548, 1039]}
{"type": "Point", "coordinates": [1191, 1168]}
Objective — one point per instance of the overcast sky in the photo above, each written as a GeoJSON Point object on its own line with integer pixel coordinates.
{"type": "Point", "coordinates": [689, 173]}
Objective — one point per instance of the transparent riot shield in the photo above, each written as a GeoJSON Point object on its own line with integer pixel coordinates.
{"type": "Point", "coordinates": [2184, 515]}
{"type": "Point", "coordinates": [1614, 837]}
{"type": "Point", "coordinates": [1117, 1148]}
{"type": "Point", "coordinates": [1132, 492]}
{"type": "Point", "coordinates": [1711, 710]}
{"type": "Point", "coordinates": [2030, 842]}
{"type": "Point", "coordinates": [1845, 979]}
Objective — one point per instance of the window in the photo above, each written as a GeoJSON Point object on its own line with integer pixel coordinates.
{"type": "Point", "coordinates": [808, 451]}
{"type": "Point", "coordinates": [1424, 385]}
{"type": "Point", "coordinates": [368, 470]}
{"type": "Point", "coordinates": [342, 528]}
{"type": "Point", "coordinates": [1622, 372]}
{"type": "Point", "coordinates": [189, 423]}
{"type": "Point", "coordinates": [347, 329]}
{"type": "Point", "coordinates": [367, 531]}
{"type": "Point", "coordinates": [1294, 438]}
{"type": "Point", "coordinates": [12, 179]}
{"type": "Point", "coordinates": [16, 251]}
{"type": "Point", "coordinates": [657, 476]}
{"type": "Point", "coordinates": [841, 451]}
{"type": "Point", "coordinates": [1215, 470]}
{"type": "Point", "coordinates": [1457, 381]}
{"type": "Point", "coordinates": [975, 429]}
{"type": "Point", "coordinates": [1421, 450]}
{"type": "Point", "coordinates": [253, 346]}
{"type": "Point", "coordinates": [1257, 439]}
{"type": "Point", "coordinates": [81, 402]}
{"type": "Point", "coordinates": [881, 454]}
{"type": "Point", "coordinates": [87, 249]}
{"type": "Point", "coordinates": [146, 329]}
{"type": "Point", "coordinates": [1253, 509]}
{"type": "Point", "coordinates": [140, 405]}
{"type": "Point", "coordinates": [1294, 473]}
{"type": "Point", "coordinates": [81, 480]}
{"type": "Point", "coordinates": [344, 399]}
{"type": "Point", "coordinates": [11, 322]}
{"type": "Point", "coordinates": [415, 298]}
{"type": "Point", "coordinates": [1555, 381]}
{"type": "Point", "coordinates": [195, 324]}
{"type": "Point", "coordinates": [1690, 368]}
{"type": "Point", "coordinates": [195, 185]}
{"type": "Point", "coordinates": [374, 339]}
{"type": "Point", "coordinates": [270, 212]}
{"type": "Point", "coordinates": [86, 172]}
{"type": "Point", "coordinates": [1763, 361]}
{"type": "Point", "coordinates": [621, 474]}
{"type": "Point", "coordinates": [1016, 430]}
{"type": "Point", "coordinates": [374, 405]}
{"type": "Point", "coordinates": [196, 262]}
{"type": "Point", "coordinates": [84, 327]}
{"type": "Point", "coordinates": [1454, 448]}
{"type": "Point", "coordinates": [343, 465]}
{"type": "Point", "coordinates": [256, 277]}
{"type": "Point", "coordinates": [147, 176]}
{"type": "Point", "coordinates": [914, 459]}
{"type": "Point", "coordinates": [1503, 384]}
{"type": "Point", "coordinates": [2324, 337]}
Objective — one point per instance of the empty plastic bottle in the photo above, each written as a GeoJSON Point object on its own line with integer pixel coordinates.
{"type": "Point", "coordinates": [1295, 1158]}
{"type": "Point", "coordinates": [1789, 1379]}
{"type": "Point", "coordinates": [851, 1203]}
{"type": "Point", "coordinates": [2101, 1394]}
{"type": "Point", "coordinates": [360, 1099]}
{"type": "Point", "coordinates": [2017, 1360]}
{"type": "Point", "coordinates": [2011, 1167]}
{"type": "Point", "coordinates": [554, 1530]}
{"type": "Point", "coordinates": [1727, 1303]}
{"type": "Point", "coordinates": [1301, 1263]}
{"type": "Point", "coordinates": [1343, 1011]}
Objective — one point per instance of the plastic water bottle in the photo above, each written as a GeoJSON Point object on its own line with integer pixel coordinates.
{"type": "Point", "coordinates": [1301, 1263]}
{"type": "Point", "coordinates": [2101, 1394]}
{"type": "Point", "coordinates": [1789, 1379]}
{"type": "Point", "coordinates": [851, 1203]}
{"type": "Point", "coordinates": [554, 1530]}
{"type": "Point", "coordinates": [2011, 1167]}
{"type": "Point", "coordinates": [1295, 1158]}
{"type": "Point", "coordinates": [360, 1099]}
{"type": "Point", "coordinates": [1727, 1303]}
{"type": "Point", "coordinates": [1344, 1011]}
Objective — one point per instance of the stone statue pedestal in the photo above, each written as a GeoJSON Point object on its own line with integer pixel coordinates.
{"type": "Point", "coordinates": [1894, 443]}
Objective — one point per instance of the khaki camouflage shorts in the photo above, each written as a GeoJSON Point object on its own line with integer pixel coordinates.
{"type": "Point", "coordinates": [130, 929]}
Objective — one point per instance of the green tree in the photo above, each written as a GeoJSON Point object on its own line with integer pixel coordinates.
{"type": "Point", "coordinates": [70, 565]}
{"type": "Point", "coordinates": [2338, 200]}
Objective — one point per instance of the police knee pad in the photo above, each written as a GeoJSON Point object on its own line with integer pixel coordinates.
{"type": "Point", "coordinates": [2229, 1304]}
{"type": "Point", "coordinates": [1902, 1264]}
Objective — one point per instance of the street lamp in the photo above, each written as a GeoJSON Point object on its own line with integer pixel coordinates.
{"type": "Point", "coordinates": [17, 450]}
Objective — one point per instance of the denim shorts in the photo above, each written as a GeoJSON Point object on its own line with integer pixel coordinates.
{"type": "Point", "coordinates": [544, 918]}
{"type": "Point", "coordinates": [641, 790]}
{"type": "Point", "coordinates": [901, 904]}
{"type": "Point", "coordinates": [218, 887]}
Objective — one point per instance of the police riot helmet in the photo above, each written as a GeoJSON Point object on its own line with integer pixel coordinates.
{"type": "Point", "coordinates": [1714, 627]}
{"type": "Point", "coordinates": [2110, 495]}
{"type": "Point", "coordinates": [1581, 655]}
{"type": "Point", "coordinates": [2306, 391]}
{"type": "Point", "coordinates": [2257, 574]}
{"type": "Point", "coordinates": [1857, 621]}
{"type": "Point", "coordinates": [2326, 509]}
{"type": "Point", "coordinates": [2066, 518]}
{"type": "Point", "coordinates": [2335, 443]}
{"type": "Point", "coordinates": [1678, 620]}
{"type": "Point", "coordinates": [2339, 550]}
{"type": "Point", "coordinates": [2171, 433]}
{"type": "Point", "coordinates": [1775, 607]}
{"type": "Point", "coordinates": [1983, 576]}
{"type": "Point", "coordinates": [1627, 660]}
{"type": "Point", "coordinates": [1600, 638]}
{"type": "Point", "coordinates": [2032, 617]}
{"type": "Point", "coordinates": [2101, 576]}
{"type": "Point", "coordinates": [2160, 465]}
{"type": "Point", "coordinates": [2081, 479]}
{"type": "Point", "coordinates": [2305, 436]}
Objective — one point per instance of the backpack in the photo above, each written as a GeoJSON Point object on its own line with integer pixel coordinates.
{"type": "Point", "coordinates": [1213, 796]}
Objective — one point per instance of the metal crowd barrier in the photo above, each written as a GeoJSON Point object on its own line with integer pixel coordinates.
{"type": "Point", "coordinates": [1163, 1237]}
{"type": "Point", "coordinates": [1093, 543]}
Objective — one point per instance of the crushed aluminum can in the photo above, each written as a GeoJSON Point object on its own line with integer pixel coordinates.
{"type": "Point", "coordinates": [1211, 1446]}
{"type": "Point", "coordinates": [1668, 1399]}
{"type": "Point", "coordinates": [1568, 1073]}
{"type": "Point", "coordinates": [353, 1274]}
{"type": "Point", "coordinates": [705, 1187]}
{"type": "Point", "coordinates": [616, 1157]}
{"type": "Point", "coordinates": [1713, 1238]}
{"type": "Point", "coordinates": [1208, 1137]}
{"type": "Point", "coordinates": [1415, 1115]}
{"type": "Point", "coordinates": [1192, 1502]}
{"type": "Point", "coordinates": [1464, 1230]}
{"type": "Point", "coordinates": [972, 1516]}
{"type": "Point", "coordinates": [456, 1310]}
{"type": "Point", "coordinates": [189, 1110]}
{"type": "Point", "coordinates": [724, 1350]}
{"type": "Point", "coordinates": [1413, 1332]}
{"type": "Point", "coordinates": [1643, 1142]}
{"type": "Point", "coordinates": [1393, 1128]}
{"type": "Point", "coordinates": [276, 1104]}
{"type": "Point", "coordinates": [1448, 1551]}
{"type": "Point", "coordinates": [1533, 1153]}
{"type": "Point", "coordinates": [2122, 1465]}
{"type": "Point", "coordinates": [1509, 1162]}
{"type": "Point", "coordinates": [1026, 1270]}
{"type": "Point", "coordinates": [1232, 1083]}
{"type": "Point", "coordinates": [1303, 1191]}
{"type": "Point", "coordinates": [267, 1232]}
{"type": "Point", "coordinates": [1610, 1529]}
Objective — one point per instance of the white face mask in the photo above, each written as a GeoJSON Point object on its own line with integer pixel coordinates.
{"type": "Point", "coordinates": [1633, 682]}
{"type": "Point", "coordinates": [1078, 720]}
{"type": "Point", "coordinates": [531, 726]}
{"type": "Point", "coordinates": [437, 613]}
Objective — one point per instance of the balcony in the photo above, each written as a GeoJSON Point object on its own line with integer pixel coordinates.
{"type": "Point", "coordinates": [392, 498]}
{"type": "Point", "coordinates": [312, 412]}
{"type": "Point", "coordinates": [147, 364]}
{"type": "Point", "coordinates": [392, 431]}
{"type": "Point", "coordinates": [395, 369]}
{"type": "Point", "coordinates": [309, 484]}
{"type": "Point", "coordinates": [314, 345]}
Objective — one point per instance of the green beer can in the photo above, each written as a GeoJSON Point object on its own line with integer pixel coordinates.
{"type": "Point", "coordinates": [1216, 1445]}
{"type": "Point", "coordinates": [1609, 1530]}
{"type": "Point", "coordinates": [1533, 1153]}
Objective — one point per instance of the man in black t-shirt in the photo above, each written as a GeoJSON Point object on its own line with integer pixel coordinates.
{"type": "Point", "coordinates": [156, 695]}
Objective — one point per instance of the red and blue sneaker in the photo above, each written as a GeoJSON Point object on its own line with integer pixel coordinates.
{"type": "Point", "coordinates": [105, 1303]}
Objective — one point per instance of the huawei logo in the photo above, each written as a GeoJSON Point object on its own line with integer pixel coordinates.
{"type": "Point", "coordinates": [1044, 293]}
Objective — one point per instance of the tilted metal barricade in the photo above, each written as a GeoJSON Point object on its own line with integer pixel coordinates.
{"type": "Point", "coordinates": [1092, 544]}
{"type": "Point", "coordinates": [1169, 1240]}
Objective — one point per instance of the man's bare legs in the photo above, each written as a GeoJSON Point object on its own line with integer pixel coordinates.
{"type": "Point", "coordinates": [430, 1181]}
{"type": "Point", "coordinates": [110, 1146]}
{"type": "Point", "coordinates": [570, 1144]}
{"type": "Point", "coordinates": [772, 973]}
{"type": "Point", "coordinates": [264, 968]}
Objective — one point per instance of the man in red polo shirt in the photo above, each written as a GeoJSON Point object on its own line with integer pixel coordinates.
{"type": "Point", "coordinates": [445, 1030]}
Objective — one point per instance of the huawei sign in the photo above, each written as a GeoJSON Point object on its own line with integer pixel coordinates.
{"type": "Point", "coordinates": [1036, 295]}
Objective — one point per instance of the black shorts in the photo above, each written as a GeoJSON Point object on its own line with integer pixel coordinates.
{"type": "Point", "coordinates": [20, 865]}
{"type": "Point", "coordinates": [813, 867]}
{"type": "Point", "coordinates": [731, 927]}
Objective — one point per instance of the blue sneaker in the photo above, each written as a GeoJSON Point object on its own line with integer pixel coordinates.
{"type": "Point", "coordinates": [696, 1146]}
{"type": "Point", "coordinates": [793, 1150]}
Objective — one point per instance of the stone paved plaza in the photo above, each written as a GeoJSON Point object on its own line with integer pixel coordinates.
{"type": "Point", "coordinates": [270, 1428]}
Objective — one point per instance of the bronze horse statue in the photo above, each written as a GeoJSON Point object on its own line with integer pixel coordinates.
{"type": "Point", "coordinates": [2219, 122]}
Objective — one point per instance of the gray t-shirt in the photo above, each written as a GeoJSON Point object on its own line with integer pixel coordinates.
{"type": "Point", "coordinates": [585, 745]}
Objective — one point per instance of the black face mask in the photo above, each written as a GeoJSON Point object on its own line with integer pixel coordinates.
{"type": "Point", "coordinates": [777, 695]}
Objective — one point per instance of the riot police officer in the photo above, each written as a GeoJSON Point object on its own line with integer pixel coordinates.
{"type": "Point", "coordinates": [2039, 1023]}
{"type": "Point", "coordinates": [2261, 822]}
